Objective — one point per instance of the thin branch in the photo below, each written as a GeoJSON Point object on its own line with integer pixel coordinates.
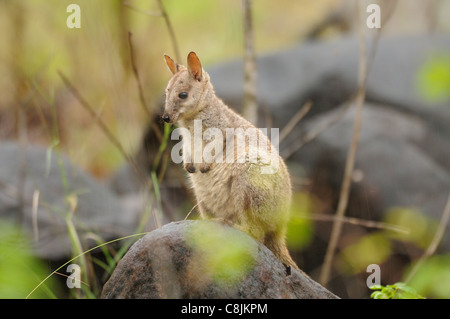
{"type": "Point", "coordinates": [364, 67]}
{"type": "Point", "coordinates": [249, 103]}
{"type": "Point", "coordinates": [357, 222]}
{"type": "Point", "coordinates": [440, 231]}
{"type": "Point", "coordinates": [350, 162]}
{"type": "Point", "coordinates": [435, 242]}
{"type": "Point", "coordinates": [34, 210]}
{"type": "Point", "coordinates": [71, 277]}
{"type": "Point", "coordinates": [140, 173]}
{"type": "Point", "coordinates": [162, 13]}
{"type": "Point", "coordinates": [136, 75]}
{"type": "Point", "coordinates": [170, 29]}
{"type": "Point", "coordinates": [187, 216]}
{"type": "Point", "coordinates": [310, 136]}
{"type": "Point", "coordinates": [100, 122]}
{"type": "Point", "coordinates": [388, 9]}
{"type": "Point", "coordinates": [141, 91]}
{"type": "Point", "coordinates": [294, 120]}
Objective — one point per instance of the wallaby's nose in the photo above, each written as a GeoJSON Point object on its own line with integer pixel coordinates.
{"type": "Point", "coordinates": [166, 118]}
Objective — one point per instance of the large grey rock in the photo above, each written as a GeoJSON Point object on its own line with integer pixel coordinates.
{"type": "Point", "coordinates": [393, 162]}
{"type": "Point", "coordinates": [58, 182]}
{"type": "Point", "coordinates": [172, 262]}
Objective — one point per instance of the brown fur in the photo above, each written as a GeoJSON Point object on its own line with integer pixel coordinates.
{"type": "Point", "coordinates": [234, 192]}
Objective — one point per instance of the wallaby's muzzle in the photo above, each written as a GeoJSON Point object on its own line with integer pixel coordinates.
{"type": "Point", "coordinates": [166, 118]}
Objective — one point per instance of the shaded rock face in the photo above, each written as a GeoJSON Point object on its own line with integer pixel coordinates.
{"type": "Point", "coordinates": [326, 73]}
{"type": "Point", "coordinates": [62, 188]}
{"type": "Point", "coordinates": [171, 262]}
{"type": "Point", "coordinates": [394, 164]}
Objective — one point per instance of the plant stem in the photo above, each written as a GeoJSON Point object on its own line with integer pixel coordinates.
{"type": "Point", "coordinates": [249, 103]}
{"type": "Point", "coordinates": [351, 155]}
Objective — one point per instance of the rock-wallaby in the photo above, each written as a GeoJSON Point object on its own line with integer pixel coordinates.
{"type": "Point", "coordinates": [246, 185]}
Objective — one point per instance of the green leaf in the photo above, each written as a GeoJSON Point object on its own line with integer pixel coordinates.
{"type": "Point", "coordinates": [434, 79]}
{"type": "Point", "coordinates": [378, 295]}
{"type": "Point", "coordinates": [398, 290]}
{"type": "Point", "coordinates": [376, 287]}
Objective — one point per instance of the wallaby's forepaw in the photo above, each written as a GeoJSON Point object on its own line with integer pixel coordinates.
{"type": "Point", "coordinates": [204, 168]}
{"type": "Point", "coordinates": [189, 167]}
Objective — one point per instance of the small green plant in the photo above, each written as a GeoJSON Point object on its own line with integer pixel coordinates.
{"type": "Point", "coordinates": [398, 290]}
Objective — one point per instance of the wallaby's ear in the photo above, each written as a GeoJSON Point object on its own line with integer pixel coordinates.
{"type": "Point", "coordinates": [171, 64]}
{"type": "Point", "coordinates": [194, 66]}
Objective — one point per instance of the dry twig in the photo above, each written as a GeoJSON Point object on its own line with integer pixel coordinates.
{"type": "Point", "coordinates": [364, 66]}
{"type": "Point", "coordinates": [300, 142]}
{"type": "Point", "coordinates": [162, 13]}
{"type": "Point", "coordinates": [141, 92]}
{"type": "Point", "coordinates": [170, 29]}
{"type": "Point", "coordinates": [388, 9]}
{"type": "Point", "coordinates": [435, 242]}
{"type": "Point", "coordinates": [249, 103]}
{"type": "Point", "coordinates": [350, 162]}
{"type": "Point", "coordinates": [294, 120]}
{"type": "Point", "coordinates": [358, 222]}
{"type": "Point", "coordinates": [100, 122]}
{"type": "Point", "coordinates": [136, 75]}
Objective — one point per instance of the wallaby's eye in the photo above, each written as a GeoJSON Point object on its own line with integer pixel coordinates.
{"type": "Point", "coordinates": [183, 95]}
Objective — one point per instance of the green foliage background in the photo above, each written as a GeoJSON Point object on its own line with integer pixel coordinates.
{"type": "Point", "coordinates": [20, 272]}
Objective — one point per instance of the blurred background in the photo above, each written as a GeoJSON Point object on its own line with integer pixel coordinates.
{"type": "Point", "coordinates": [85, 160]}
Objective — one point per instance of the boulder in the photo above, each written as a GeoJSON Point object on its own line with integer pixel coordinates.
{"type": "Point", "coordinates": [194, 259]}
{"type": "Point", "coordinates": [394, 164]}
{"type": "Point", "coordinates": [62, 188]}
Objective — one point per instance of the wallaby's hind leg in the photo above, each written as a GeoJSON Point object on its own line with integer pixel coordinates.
{"type": "Point", "coordinates": [277, 245]}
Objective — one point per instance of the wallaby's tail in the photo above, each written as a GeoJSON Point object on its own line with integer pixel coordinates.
{"type": "Point", "coordinates": [279, 249]}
